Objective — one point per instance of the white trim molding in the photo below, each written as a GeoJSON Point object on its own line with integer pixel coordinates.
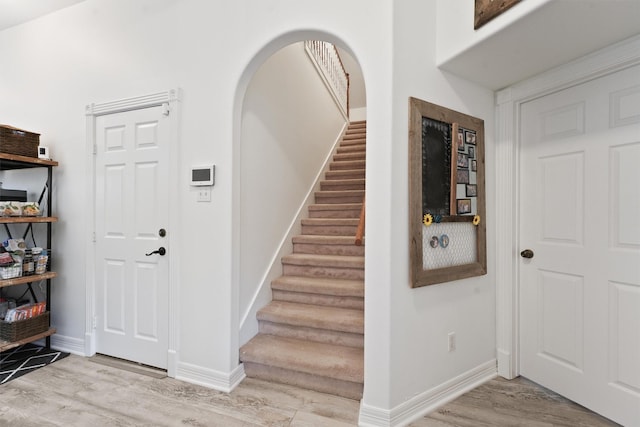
{"type": "Point", "coordinates": [171, 100]}
{"type": "Point", "coordinates": [68, 344]}
{"type": "Point", "coordinates": [428, 401]}
{"type": "Point", "coordinates": [509, 102]}
{"type": "Point", "coordinates": [216, 380]}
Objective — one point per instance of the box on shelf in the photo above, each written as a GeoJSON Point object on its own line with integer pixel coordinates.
{"type": "Point", "coordinates": [18, 141]}
{"type": "Point", "coordinates": [15, 331]}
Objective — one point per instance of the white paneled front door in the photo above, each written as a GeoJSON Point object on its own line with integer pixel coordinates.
{"type": "Point", "coordinates": [132, 205]}
{"type": "Point", "coordinates": [580, 218]}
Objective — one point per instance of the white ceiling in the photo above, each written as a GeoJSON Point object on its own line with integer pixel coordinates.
{"type": "Point", "coordinates": [554, 34]}
{"type": "Point", "coordinates": [16, 12]}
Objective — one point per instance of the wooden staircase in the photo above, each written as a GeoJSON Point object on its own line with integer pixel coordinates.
{"type": "Point", "coordinates": [312, 334]}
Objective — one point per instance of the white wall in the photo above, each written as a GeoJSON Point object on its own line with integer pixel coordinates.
{"type": "Point", "coordinates": [290, 124]}
{"type": "Point", "coordinates": [414, 323]}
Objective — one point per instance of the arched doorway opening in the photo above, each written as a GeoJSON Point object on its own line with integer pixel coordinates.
{"type": "Point", "coordinates": [286, 130]}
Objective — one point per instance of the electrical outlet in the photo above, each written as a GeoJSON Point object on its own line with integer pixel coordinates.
{"type": "Point", "coordinates": [451, 341]}
{"type": "Point", "coordinates": [204, 195]}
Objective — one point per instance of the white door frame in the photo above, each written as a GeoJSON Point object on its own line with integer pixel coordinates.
{"type": "Point", "coordinates": [170, 99]}
{"type": "Point", "coordinates": [508, 108]}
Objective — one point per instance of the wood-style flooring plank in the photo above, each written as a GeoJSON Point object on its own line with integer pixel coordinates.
{"type": "Point", "coordinates": [78, 392]}
{"type": "Point", "coordinates": [518, 402]}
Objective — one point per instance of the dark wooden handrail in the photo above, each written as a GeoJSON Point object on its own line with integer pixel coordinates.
{"type": "Point", "coordinates": [360, 229]}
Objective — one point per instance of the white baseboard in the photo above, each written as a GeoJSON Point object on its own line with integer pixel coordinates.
{"type": "Point", "coordinates": [210, 378]}
{"type": "Point", "coordinates": [427, 401]}
{"type": "Point", "coordinates": [68, 344]}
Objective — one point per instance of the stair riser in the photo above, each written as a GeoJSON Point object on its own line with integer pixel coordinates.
{"type": "Point", "coordinates": [349, 156]}
{"type": "Point", "coordinates": [348, 198]}
{"type": "Point", "coordinates": [356, 303]}
{"type": "Point", "coordinates": [355, 135]}
{"type": "Point", "coordinates": [337, 213]}
{"type": "Point", "coordinates": [345, 174]}
{"type": "Point", "coordinates": [349, 143]}
{"type": "Point", "coordinates": [323, 271]}
{"type": "Point", "coordinates": [329, 230]}
{"type": "Point", "coordinates": [347, 165]}
{"type": "Point", "coordinates": [312, 334]}
{"type": "Point", "coordinates": [348, 389]}
{"type": "Point", "coordinates": [320, 249]}
{"type": "Point", "coordinates": [341, 186]}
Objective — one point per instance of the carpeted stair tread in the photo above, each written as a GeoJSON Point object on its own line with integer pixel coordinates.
{"type": "Point", "coordinates": [334, 206]}
{"type": "Point", "coordinates": [358, 155]}
{"type": "Point", "coordinates": [313, 316]}
{"type": "Point", "coordinates": [354, 135]}
{"type": "Point", "coordinates": [327, 245]}
{"type": "Point", "coordinates": [341, 192]}
{"type": "Point", "coordinates": [356, 141]}
{"type": "Point", "coordinates": [324, 240]}
{"type": "Point", "coordinates": [356, 148]}
{"type": "Point", "coordinates": [339, 196]}
{"type": "Point", "coordinates": [320, 285]}
{"type": "Point", "coordinates": [330, 221]}
{"type": "Point", "coordinates": [327, 360]}
{"type": "Point", "coordinates": [339, 261]}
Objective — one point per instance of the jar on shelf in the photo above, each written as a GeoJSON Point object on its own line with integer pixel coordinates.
{"type": "Point", "coordinates": [40, 259]}
{"type": "Point", "coordinates": [28, 266]}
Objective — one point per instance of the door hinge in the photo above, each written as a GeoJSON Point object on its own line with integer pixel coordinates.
{"type": "Point", "coordinates": [165, 109]}
{"type": "Point", "coordinates": [95, 149]}
{"type": "Point", "coordinates": [95, 322]}
{"type": "Point", "coordinates": [93, 237]}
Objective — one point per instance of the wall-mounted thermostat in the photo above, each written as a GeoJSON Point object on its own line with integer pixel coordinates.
{"type": "Point", "coordinates": [203, 175]}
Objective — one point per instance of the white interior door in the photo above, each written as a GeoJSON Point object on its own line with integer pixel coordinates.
{"type": "Point", "coordinates": [580, 217]}
{"type": "Point", "coordinates": [131, 208]}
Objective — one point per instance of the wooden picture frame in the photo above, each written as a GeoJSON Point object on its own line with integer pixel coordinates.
{"type": "Point", "coordinates": [486, 10]}
{"type": "Point", "coordinates": [430, 160]}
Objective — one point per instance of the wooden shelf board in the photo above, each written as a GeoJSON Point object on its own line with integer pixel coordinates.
{"type": "Point", "coordinates": [26, 219]}
{"type": "Point", "coordinates": [35, 162]}
{"type": "Point", "coordinates": [6, 345]}
{"type": "Point", "coordinates": [27, 279]}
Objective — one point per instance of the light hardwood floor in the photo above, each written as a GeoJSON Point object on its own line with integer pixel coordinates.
{"type": "Point", "coordinates": [78, 391]}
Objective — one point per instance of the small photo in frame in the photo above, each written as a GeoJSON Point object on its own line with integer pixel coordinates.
{"type": "Point", "coordinates": [470, 137]}
{"type": "Point", "coordinates": [463, 161]}
{"type": "Point", "coordinates": [474, 166]}
{"type": "Point", "coordinates": [464, 206]}
{"type": "Point", "coordinates": [471, 152]}
{"type": "Point", "coordinates": [463, 176]}
{"type": "Point", "coordinates": [460, 141]}
{"type": "Point", "coordinates": [472, 190]}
